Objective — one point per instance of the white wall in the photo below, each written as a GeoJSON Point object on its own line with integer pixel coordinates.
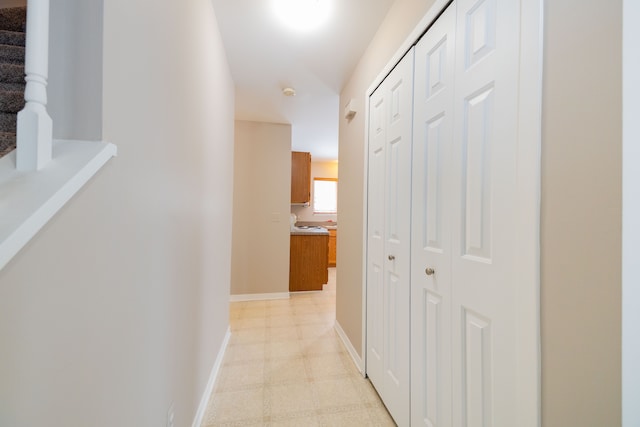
{"type": "Point", "coordinates": [118, 307]}
{"type": "Point", "coordinates": [75, 69]}
{"type": "Point", "coordinates": [631, 216]}
{"type": "Point", "coordinates": [261, 201]}
{"type": "Point", "coordinates": [319, 169]}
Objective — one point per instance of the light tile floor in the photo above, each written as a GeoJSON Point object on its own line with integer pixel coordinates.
{"type": "Point", "coordinates": [286, 366]}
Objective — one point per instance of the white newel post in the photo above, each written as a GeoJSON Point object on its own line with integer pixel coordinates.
{"type": "Point", "coordinates": [35, 128]}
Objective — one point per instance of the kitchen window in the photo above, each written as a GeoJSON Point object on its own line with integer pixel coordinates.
{"type": "Point", "coordinates": [325, 195]}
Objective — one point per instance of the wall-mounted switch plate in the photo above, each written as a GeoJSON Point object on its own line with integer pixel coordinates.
{"type": "Point", "coordinates": [170, 417]}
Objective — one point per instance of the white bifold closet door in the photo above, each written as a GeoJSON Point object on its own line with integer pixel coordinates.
{"type": "Point", "coordinates": [433, 200]}
{"type": "Point", "coordinates": [485, 333]}
{"type": "Point", "coordinates": [388, 239]}
{"type": "Point", "coordinates": [464, 328]}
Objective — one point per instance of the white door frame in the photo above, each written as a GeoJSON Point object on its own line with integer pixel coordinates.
{"type": "Point", "coordinates": [630, 215]}
{"type": "Point", "coordinates": [529, 178]}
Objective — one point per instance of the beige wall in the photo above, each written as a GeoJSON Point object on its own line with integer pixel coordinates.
{"type": "Point", "coordinates": [581, 204]}
{"type": "Point", "coordinates": [320, 169]}
{"type": "Point", "coordinates": [581, 214]}
{"type": "Point", "coordinates": [261, 203]}
{"type": "Point", "coordinates": [400, 21]}
{"type": "Point", "coordinates": [119, 306]}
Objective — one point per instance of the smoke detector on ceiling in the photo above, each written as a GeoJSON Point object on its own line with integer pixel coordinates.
{"type": "Point", "coordinates": [289, 91]}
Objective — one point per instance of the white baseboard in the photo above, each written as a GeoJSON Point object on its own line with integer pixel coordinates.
{"type": "Point", "coordinates": [204, 400]}
{"type": "Point", "coordinates": [259, 297]}
{"type": "Point", "coordinates": [350, 348]}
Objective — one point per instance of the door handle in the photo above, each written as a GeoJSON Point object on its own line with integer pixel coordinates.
{"type": "Point", "coordinates": [391, 257]}
{"type": "Point", "coordinates": [430, 271]}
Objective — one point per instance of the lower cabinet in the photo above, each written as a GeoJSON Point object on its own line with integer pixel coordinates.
{"type": "Point", "coordinates": [308, 262]}
{"type": "Point", "coordinates": [332, 247]}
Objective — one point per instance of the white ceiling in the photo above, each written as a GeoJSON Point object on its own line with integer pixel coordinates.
{"type": "Point", "coordinates": [266, 57]}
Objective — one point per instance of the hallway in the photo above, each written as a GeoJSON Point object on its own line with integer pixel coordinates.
{"type": "Point", "coordinates": [286, 366]}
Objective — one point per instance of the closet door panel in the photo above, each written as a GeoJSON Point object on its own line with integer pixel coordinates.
{"type": "Point", "coordinates": [398, 239]}
{"type": "Point", "coordinates": [431, 225]}
{"type": "Point", "coordinates": [375, 238]}
{"type": "Point", "coordinates": [389, 234]}
{"type": "Point", "coordinates": [484, 234]}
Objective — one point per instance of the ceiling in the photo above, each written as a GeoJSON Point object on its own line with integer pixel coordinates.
{"type": "Point", "coordinates": [265, 57]}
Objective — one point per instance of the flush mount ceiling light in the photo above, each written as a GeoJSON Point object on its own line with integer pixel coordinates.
{"type": "Point", "coordinates": [302, 15]}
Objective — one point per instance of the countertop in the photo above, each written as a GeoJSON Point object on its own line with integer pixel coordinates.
{"type": "Point", "coordinates": [306, 230]}
{"type": "Point", "coordinates": [329, 225]}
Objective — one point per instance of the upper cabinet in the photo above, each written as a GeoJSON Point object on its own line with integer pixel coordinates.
{"type": "Point", "coordinates": [300, 177]}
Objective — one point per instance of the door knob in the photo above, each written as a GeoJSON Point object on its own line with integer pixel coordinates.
{"type": "Point", "coordinates": [391, 257]}
{"type": "Point", "coordinates": [430, 271]}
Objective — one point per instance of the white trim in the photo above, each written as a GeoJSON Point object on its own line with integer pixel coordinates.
{"type": "Point", "coordinates": [630, 214]}
{"type": "Point", "coordinates": [529, 150]}
{"type": "Point", "coordinates": [357, 360]}
{"type": "Point", "coordinates": [259, 297]}
{"type": "Point", "coordinates": [206, 395]}
{"type": "Point", "coordinates": [308, 292]}
{"type": "Point", "coordinates": [365, 234]}
{"type": "Point", "coordinates": [30, 199]}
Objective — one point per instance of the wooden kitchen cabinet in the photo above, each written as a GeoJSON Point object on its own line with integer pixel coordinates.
{"type": "Point", "coordinates": [308, 258]}
{"type": "Point", "coordinates": [332, 247]}
{"type": "Point", "coordinates": [300, 177]}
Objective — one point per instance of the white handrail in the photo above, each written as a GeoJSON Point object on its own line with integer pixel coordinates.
{"type": "Point", "coordinates": [34, 131]}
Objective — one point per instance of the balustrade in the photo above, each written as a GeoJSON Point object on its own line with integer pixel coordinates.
{"type": "Point", "coordinates": [35, 129]}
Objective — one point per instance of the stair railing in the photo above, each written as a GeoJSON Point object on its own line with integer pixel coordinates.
{"type": "Point", "coordinates": [35, 128]}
